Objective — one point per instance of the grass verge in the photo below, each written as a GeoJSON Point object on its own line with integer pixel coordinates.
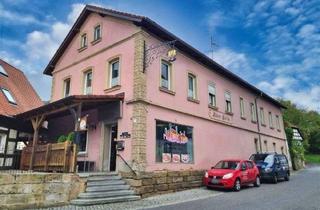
{"type": "Point", "coordinates": [312, 158]}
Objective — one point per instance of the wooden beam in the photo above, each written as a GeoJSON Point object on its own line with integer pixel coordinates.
{"type": "Point", "coordinates": [36, 123]}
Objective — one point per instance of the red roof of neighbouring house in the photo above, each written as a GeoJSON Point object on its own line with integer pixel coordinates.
{"type": "Point", "coordinates": [14, 81]}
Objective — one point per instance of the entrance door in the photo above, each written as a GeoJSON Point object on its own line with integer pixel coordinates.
{"type": "Point", "coordinates": [113, 151]}
{"type": "Point", "coordinates": [109, 148]}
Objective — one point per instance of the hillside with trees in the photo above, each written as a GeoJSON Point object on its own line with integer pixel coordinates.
{"type": "Point", "coordinates": [309, 124]}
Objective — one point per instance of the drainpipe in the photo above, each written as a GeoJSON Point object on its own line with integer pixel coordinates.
{"type": "Point", "coordinates": [258, 121]}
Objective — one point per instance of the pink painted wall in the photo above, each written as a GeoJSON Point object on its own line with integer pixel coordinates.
{"type": "Point", "coordinates": [113, 30]}
{"type": "Point", "coordinates": [211, 139]}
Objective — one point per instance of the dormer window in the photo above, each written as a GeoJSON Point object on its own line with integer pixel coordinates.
{"type": "Point", "coordinates": [8, 95]}
{"type": "Point", "coordinates": [83, 41]}
{"type": "Point", "coordinates": [2, 71]}
{"type": "Point", "coordinates": [97, 33]}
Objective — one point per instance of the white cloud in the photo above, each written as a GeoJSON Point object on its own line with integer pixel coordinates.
{"type": "Point", "coordinates": [292, 11]}
{"type": "Point", "coordinates": [42, 45]}
{"type": "Point", "coordinates": [307, 98]}
{"type": "Point", "coordinates": [306, 31]}
{"type": "Point", "coordinates": [277, 85]}
{"type": "Point", "coordinates": [13, 18]}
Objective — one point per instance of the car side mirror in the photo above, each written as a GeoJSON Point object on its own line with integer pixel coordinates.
{"type": "Point", "coordinates": [212, 167]}
{"type": "Point", "coordinates": [243, 168]}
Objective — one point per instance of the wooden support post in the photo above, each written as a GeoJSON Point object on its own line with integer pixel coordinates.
{"type": "Point", "coordinates": [65, 156]}
{"type": "Point", "coordinates": [74, 158]}
{"type": "Point", "coordinates": [47, 157]}
{"type": "Point", "coordinates": [36, 123]}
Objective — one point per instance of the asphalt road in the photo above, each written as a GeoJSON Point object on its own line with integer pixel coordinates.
{"type": "Point", "coordinates": [301, 192]}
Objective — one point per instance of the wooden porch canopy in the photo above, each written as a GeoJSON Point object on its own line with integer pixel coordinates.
{"type": "Point", "coordinates": [74, 104]}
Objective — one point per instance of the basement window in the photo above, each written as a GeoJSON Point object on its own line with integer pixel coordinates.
{"type": "Point", "coordinates": [8, 95]}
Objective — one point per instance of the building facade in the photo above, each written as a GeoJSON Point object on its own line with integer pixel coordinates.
{"type": "Point", "coordinates": [176, 115]}
{"type": "Point", "coordinates": [16, 96]}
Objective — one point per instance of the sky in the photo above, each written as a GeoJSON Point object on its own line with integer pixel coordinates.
{"type": "Point", "coordinates": [273, 44]}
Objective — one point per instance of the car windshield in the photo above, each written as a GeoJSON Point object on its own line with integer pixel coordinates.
{"type": "Point", "coordinates": [227, 165]}
{"type": "Point", "coordinates": [263, 158]}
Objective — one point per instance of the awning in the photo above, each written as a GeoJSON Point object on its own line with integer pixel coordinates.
{"type": "Point", "coordinates": [63, 106]}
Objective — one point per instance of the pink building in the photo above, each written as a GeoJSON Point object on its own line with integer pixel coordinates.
{"type": "Point", "coordinates": [174, 115]}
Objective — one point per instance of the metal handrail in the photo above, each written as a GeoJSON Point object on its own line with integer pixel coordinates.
{"type": "Point", "coordinates": [127, 164]}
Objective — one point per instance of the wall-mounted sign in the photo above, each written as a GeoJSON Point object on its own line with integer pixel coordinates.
{"type": "Point", "coordinates": [83, 123]}
{"type": "Point", "coordinates": [125, 135]}
{"type": "Point", "coordinates": [214, 115]}
{"type": "Point", "coordinates": [120, 145]}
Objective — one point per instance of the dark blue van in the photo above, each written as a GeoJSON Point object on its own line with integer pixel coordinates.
{"type": "Point", "coordinates": [272, 166]}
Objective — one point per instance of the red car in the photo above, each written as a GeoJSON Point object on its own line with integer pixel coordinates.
{"type": "Point", "coordinates": [232, 174]}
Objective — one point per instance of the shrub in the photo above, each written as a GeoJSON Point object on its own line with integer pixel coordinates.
{"type": "Point", "coordinates": [62, 138]}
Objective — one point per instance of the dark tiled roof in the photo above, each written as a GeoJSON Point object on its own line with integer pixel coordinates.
{"type": "Point", "coordinates": [158, 31]}
{"type": "Point", "coordinates": [62, 105]}
{"type": "Point", "coordinates": [23, 93]}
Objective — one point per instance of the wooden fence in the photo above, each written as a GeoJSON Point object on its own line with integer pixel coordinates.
{"type": "Point", "coordinates": [59, 157]}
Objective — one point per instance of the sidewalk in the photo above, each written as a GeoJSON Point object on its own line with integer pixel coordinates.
{"type": "Point", "coordinates": [155, 201]}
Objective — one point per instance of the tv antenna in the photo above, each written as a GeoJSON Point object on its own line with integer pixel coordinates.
{"type": "Point", "coordinates": [213, 45]}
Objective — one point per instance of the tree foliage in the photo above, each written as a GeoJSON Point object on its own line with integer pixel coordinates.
{"type": "Point", "coordinates": [308, 123]}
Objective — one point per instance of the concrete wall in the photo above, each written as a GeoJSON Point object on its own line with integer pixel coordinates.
{"type": "Point", "coordinates": [21, 191]}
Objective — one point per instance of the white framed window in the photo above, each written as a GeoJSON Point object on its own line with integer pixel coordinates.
{"type": "Point", "coordinates": [212, 95]}
{"type": "Point", "coordinates": [253, 112]}
{"type": "Point", "coordinates": [242, 108]}
{"type": "Point", "coordinates": [8, 96]}
{"type": "Point", "coordinates": [192, 86]}
{"type": "Point", "coordinates": [3, 141]}
{"type": "Point", "coordinates": [83, 142]}
{"type": "Point", "coordinates": [83, 41]}
{"type": "Point", "coordinates": [2, 71]}
{"type": "Point", "coordinates": [87, 86]}
{"type": "Point", "coordinates": [97, 33]}
{"type": "Point", "coordinates": [266, 145]}
{"type": "Point", "coordinates": [66, 87]}
{"type": "Point", "coordinates": [166, 72]}
{"type": "Point", "coordinates": [227, 96]}
{"type": "Point", "coordinates": [262, 118]}
{"type": "Point", "coordinates": [270, 120]}
{"type": "Point", "coordinates": [278, 122]}
{"type": "Point", "coordinates": [114, 73]}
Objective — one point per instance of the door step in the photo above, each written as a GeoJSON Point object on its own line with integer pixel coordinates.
{"type": "Point", "coordinates": [105, 188]}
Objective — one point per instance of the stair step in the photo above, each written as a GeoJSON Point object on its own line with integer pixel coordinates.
{"type": "Point", "coordinates": [90, 174]}
{"type": "Point", "coordinates": [106, 183]}
{"type": "Point", "coordinates": [88, 195]}
{"type": "Point", "coordinates": [85, 202]}
{"type": "Point", "coordinates": [107, 188]}
{"type": "Point", "coordinates": [103, 178]}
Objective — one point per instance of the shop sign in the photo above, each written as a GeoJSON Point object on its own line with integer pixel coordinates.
{"type": "Point", "coordinates": [214, 115]}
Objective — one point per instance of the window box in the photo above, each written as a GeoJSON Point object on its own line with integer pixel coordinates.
{"type": "Point", "coordinates": [229, 113]}
{"type": "Point", "coordinates": [114, 88]}
{"type": "Point", "coordinates": [82, 48]}
{"type": "Point", "coordinates": [193, 100]}
{"type": "Point", "coordinates": [243, 118]}
{"type": "Point", "coordinates": [96, 41]}
{"type": "Point", "coordinates": [167, 91]}
{"type": "Point", "coordinates": [213, 107]}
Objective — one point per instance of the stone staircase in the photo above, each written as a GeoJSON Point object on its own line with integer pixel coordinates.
{"type": "Point", "coordinates": [104, 188]}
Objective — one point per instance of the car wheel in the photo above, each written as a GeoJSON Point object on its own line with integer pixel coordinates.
{"type": "Point", "coordinates": [287, 177]}
{"type": "Point", "coordinates": [237, 185]}
{"type": "Point", "coordinates": [257, 183]}
{"type": "Point", "coordinates": [275, 179]}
